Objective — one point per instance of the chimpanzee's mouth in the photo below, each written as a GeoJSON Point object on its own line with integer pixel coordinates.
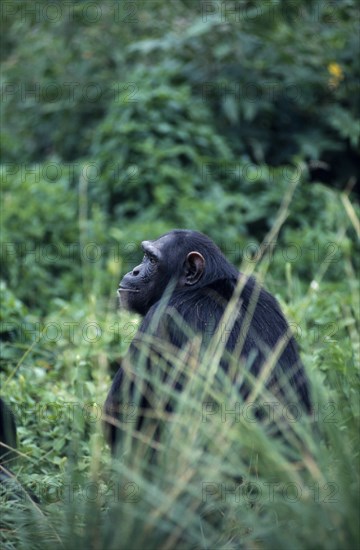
{"type": "Point", "coordinates": [123, 289]}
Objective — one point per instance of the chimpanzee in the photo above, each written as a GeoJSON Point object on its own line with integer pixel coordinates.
{"type": "Point", "coordinates": [7, 437]}
{"type": "Point", "coordinates": [182, 288]}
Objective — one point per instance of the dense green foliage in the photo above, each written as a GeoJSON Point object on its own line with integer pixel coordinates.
{"type": "Point", "coordinates": [120, 121]}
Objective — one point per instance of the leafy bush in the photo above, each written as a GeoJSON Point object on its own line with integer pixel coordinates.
{"type": "Point", "coordinates": [50, 246]}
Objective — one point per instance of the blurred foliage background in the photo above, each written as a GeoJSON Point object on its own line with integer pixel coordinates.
{"type": "Point", "coordinates": [123, 120]}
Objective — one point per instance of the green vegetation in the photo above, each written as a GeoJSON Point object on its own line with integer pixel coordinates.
{"type": "Point", "coordinates": [122, 121]}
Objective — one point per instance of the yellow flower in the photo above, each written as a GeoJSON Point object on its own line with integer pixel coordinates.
{"type": "Point", "coordinates": [336, 71]}
{"type": "Point", "coordinates": [336, 74]}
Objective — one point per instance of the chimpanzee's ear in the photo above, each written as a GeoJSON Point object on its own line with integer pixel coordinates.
{"type": "Point", "coordinates": [194, 268]}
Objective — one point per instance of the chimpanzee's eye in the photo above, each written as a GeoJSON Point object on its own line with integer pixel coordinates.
{"type": "Point", "coordinates": [149, 258]}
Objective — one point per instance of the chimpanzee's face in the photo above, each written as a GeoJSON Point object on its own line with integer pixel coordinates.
{"type": "Point", "coordinates": [163, 261]}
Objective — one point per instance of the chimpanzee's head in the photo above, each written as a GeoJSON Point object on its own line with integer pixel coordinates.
{"type": "Point", "coordinates": [187, 259]}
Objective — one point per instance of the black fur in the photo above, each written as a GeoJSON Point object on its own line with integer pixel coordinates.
{"type": "Point", "coordinates": [7, 437]}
